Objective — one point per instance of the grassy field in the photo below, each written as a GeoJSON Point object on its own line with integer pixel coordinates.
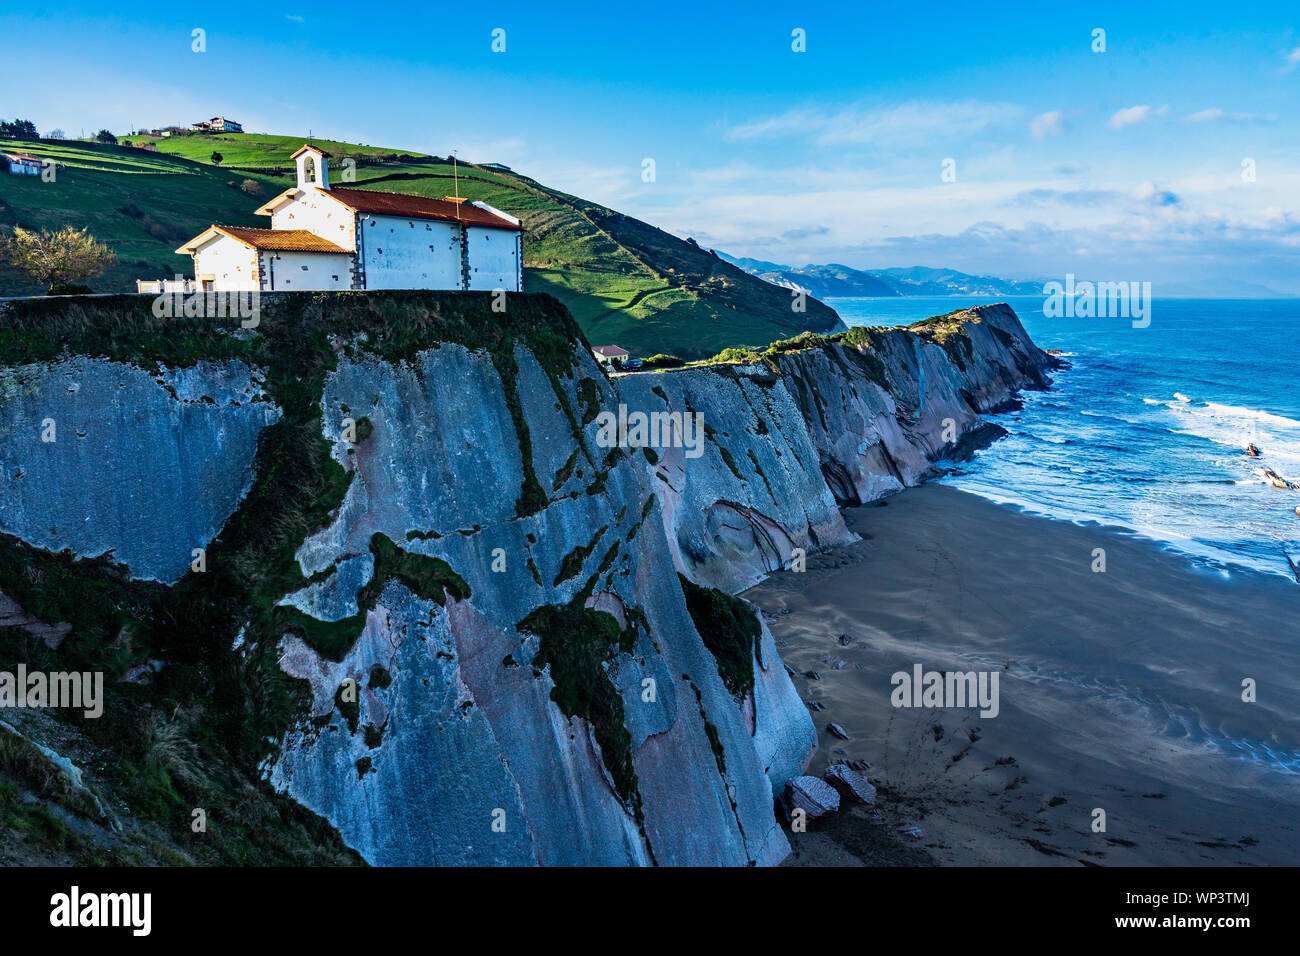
{"type": "Point", "coordinates": [625, 281]}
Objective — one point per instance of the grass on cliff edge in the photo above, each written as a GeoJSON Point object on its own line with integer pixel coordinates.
{"type": "Point", "coordinates": [195, 734]}
{"type": "Point", "coordinates": [947, 331]}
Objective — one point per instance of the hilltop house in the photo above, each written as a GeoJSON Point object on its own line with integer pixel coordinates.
{"type": "Point", "coordinates": [331, 238]}
{"type": "Point", "coordinates": [219, 124]}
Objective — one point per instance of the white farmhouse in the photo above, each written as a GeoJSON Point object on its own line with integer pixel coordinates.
{"type": "Point", "coordinates": [607, 355]}
{"type": "Point", "coordinates": [219, 124]}
{"type": "Point", "coordinates": [324, 238]}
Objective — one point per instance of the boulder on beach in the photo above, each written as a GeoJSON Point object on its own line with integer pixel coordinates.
{"type": "Point", "coordinates": [850, 784]}
{"type": "Point", "coordinates": [813, 796]}
{"type": "Point", "coordinates": [837, 731]}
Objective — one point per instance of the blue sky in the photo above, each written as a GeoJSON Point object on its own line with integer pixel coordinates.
{"type": "Point", "coordinates": [1126, 164]}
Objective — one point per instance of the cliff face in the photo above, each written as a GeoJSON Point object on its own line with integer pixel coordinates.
{"type": "Point", "coordinates": [881, 406]}
{"type": "Point", "coordinates": [498, 661]}
{"type": "Point", "coordinates": [469, 735]}
{"type": "Point", "coordinates": [108, 458]}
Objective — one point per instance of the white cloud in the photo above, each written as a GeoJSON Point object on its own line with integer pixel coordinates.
{"type": "Point", "coordinates": [907, 124]}
{"type": "Point", "coordinates": [1135, 115]}
{"type": "Point", "coordinates": [1220, 116]}
{"type": "Point", "coordinates": [1292, 60]}
{"type": "Point", "coordinates": [1047, 124]}
{"type": "Point", "coordinates": [1207, 223]}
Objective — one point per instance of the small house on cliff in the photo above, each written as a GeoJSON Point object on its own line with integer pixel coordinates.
{"type": "Point", "coordinates": [334, 238]}
{"type": "Point", "coordinates": [610, 356]}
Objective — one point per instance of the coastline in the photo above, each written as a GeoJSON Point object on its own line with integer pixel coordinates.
{"type": "Point", "coordinates": [1119, 690]}
{"type": "Point", "coordinates": [1200, 557]}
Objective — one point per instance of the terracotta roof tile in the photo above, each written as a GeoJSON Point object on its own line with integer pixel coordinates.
{"type": "Point", "coordinates": [282, 240]}
{"type": "Point", "coordinates": [306, 146]}
{"type": "Point", "coordinates": [418, 207]}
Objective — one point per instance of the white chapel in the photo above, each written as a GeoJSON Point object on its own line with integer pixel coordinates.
{"type": "Point", "coordinates": [330, 238]}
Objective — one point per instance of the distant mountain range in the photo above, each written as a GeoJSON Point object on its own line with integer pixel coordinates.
{"type": "Point", "coordinates": [839, 280]}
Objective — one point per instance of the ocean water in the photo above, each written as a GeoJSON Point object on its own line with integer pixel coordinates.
{"type": "Point", "coordinates": [1147, 429]}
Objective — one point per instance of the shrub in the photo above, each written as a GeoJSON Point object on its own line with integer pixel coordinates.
{"type": "Point", "coordinates": [664, 361]}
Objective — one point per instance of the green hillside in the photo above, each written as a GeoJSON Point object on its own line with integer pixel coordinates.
{"type": "Point", "coordinates": [142, 204]}
{"type": "Point", "coordinates": [626, 282]}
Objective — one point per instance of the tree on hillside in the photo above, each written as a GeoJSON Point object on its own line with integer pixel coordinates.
{"type": "Point", "coordinates": [252, 187]}
{"type": "Point", "coordinates": [217, 158]}
{"type": "Point", "coordinates": [56, 258]}
{"type": "Point", "coordinates": [18, 129]}
{"type": "Point", "coordinates": [104, 136]}
{"type": "Point", "coordinates": [56, 134]}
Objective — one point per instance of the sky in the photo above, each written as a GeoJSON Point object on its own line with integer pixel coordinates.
{"type": "Point", "coordinates": [1001, 140]}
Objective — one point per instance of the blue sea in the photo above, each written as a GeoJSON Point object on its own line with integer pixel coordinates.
{"type": "Point", "coordinates": [1147, 429]}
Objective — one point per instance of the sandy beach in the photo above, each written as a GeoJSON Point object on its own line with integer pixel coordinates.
{"type": "Point", "coordinates": [1119, 691]}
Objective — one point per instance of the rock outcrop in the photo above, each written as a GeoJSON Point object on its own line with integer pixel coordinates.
{"type": "Point", "coordinates": [499, 663]}
{"type": "Point", "coordinates": [815, 797]}
{"type": "Point", "coordinates": [851, 784]}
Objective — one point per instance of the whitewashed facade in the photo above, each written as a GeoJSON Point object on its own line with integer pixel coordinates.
{"type": "Point", "coordinates": [335, 238]}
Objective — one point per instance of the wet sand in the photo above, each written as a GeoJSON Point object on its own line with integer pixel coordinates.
{"type": "Point", "coordinates": [1119, 691]}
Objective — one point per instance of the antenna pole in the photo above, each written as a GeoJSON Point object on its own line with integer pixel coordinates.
{"type": "Point", "coordinates": [455, 175]}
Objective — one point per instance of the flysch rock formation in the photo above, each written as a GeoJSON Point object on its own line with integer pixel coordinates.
{"type": "Point", "coordinates": [108, 459]}
{"type": "Point", "coordinates": [468, 740]}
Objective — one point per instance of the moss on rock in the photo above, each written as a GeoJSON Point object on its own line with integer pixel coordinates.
{"type": "Point", "coordinates": [730, 630]}
{"type": "Point", "coordinates": [579, 644]}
